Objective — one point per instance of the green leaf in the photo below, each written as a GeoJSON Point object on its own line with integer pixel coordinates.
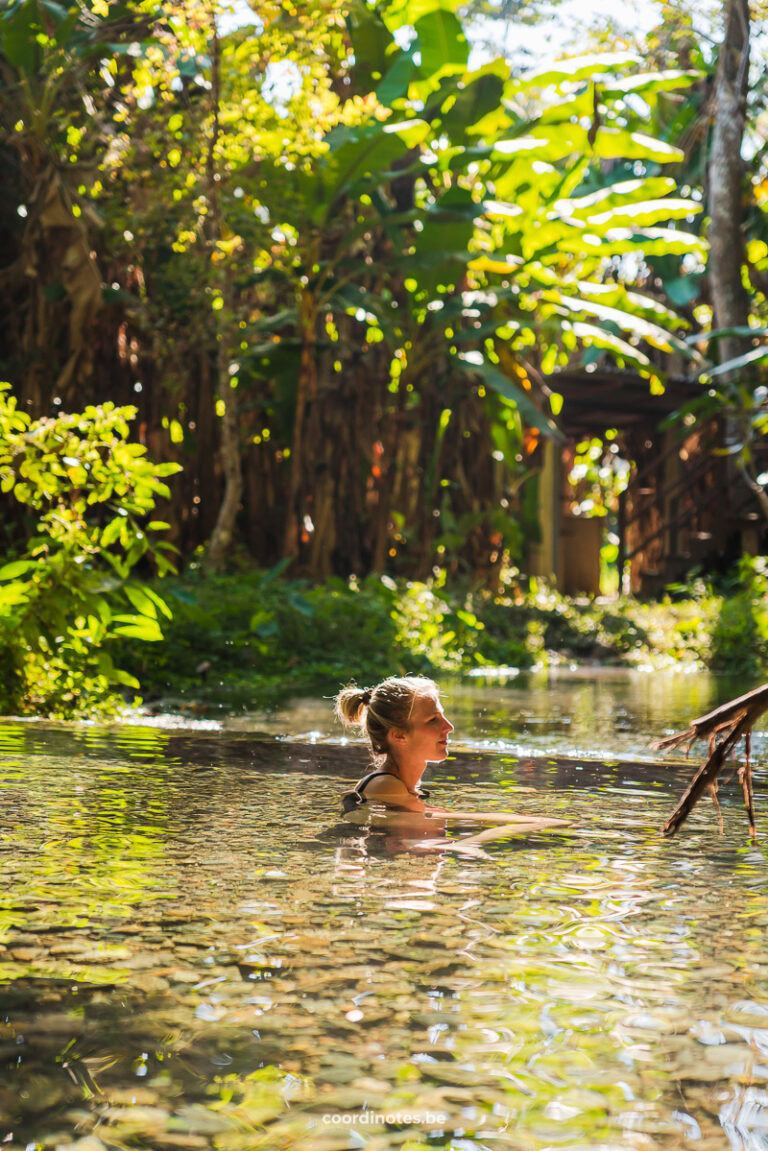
{"type": "Point", "coordinates": [159, 602]}
{"type": "Point", "coordinates": [112, 531]}
{"type": "Point", "coordinates": [633, 303]}
{"type": "Point", "coordinates": [617, 143]}
{"type": "Point", "coordinates": [636, 325]}
{"type": "Point", "coordinates": [645, 212]}
{"type": "Point", "coordinates": [139, 631]}
{"type": "Point", "coordinates": [396, 81]}
{"type": "Point", "coordinates": [17, 37]}
{"type": "Point", "coordinates": [648, 241]}
{"type": "Point", "coordinates": [756, 356]}
{"type": "Point", "coordinates": [358, 155]}
{"type": "Point", "coordinates": [442, 43]}
{"type": "Point", "coordinates": [161, 489]}
{"type": "Point", "coordinates": [286, 317]}
{"type": "Point", "coordinates": [371, 41]}
{"type": "Point", "coordinates": [480, 96]}
{"type": "Point", "coordinates": [493, 378]}
{"type": "Point", "coordinates": [397, 13]}
{"type": "Point", "coordinates": [617, 195]}
{"type": "Point", "coordinates": [16, 568]}
{"type": "Point", "coordinates": [721, 333]}
{"type": "Point", "coordinates": [301, 604]}
{"type": "Point", "coordinates": [730, 450]}
{"type": "Point", "coordinates": [469, 619]}
{"type": "Point", "coordinates": [599, 337]}
{"type": "Point", "coordinates": [12, 594]}
{"type": "Point", "coordinates": [103, 609]}
{"type": "Point", "coordinates": [441, 248]}
{"type": "Point", "coordinates": [644, 83]}
{"type": "Point", "coordinates": [683, 290]}
{"type": "Point", "coordinates": [579, 68]}
{"type": "Point", "coordinates": [276, 571]}
{"type": "Point", "coordinates": [140, 600]}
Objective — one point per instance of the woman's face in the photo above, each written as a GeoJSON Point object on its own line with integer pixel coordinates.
{"type": "Point", "coordinates": [427, 737]}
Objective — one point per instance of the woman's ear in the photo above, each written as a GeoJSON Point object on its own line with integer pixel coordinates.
{"type": "Point", "coordinates": [397, 734]}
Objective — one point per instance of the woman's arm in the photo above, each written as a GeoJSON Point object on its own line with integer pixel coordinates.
{"type": "Point", "coordinates": [388, 790]}
{"type": "Point", "coordinates": [492, 818]}
{"type": "Point", "coordinates": [471, 845]}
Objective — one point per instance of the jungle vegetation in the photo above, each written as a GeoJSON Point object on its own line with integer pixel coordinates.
{"type": "Point", "coordinates": [328, 259]}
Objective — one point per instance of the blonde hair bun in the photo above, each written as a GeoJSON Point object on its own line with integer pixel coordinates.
{"type": "Point", "coordinates": [350, 704]}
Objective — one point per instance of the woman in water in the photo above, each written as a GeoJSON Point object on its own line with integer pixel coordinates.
{"type": "Point", "coordinates": [407, 728]}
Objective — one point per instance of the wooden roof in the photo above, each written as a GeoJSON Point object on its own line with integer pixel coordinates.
{"type": "Point", "coordinates": [609, 398]}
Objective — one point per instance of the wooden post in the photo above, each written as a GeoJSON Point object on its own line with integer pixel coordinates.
{"type": "Point", "coordinates": [622, 533]}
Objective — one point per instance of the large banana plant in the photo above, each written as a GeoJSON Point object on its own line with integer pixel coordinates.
{"type": "Point", "coordinates": [478, 188]}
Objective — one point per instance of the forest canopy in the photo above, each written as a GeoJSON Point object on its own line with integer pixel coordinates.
{"type": "Point", "coordinates": [337, 256]}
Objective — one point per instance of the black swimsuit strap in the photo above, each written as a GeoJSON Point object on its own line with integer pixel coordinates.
{"type": "Point", "coordinates": [354, 799]}
{"type": "Point", "coordinates": [367, 779]}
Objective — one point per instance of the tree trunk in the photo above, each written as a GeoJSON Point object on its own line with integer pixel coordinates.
{"type": "Point", "coordinates": [306, 390]}
{"type": "Point", "coordinates": [725, 175]}
{"type": "Point", "coordinates": [229, 444]}
{"type": "Point", "coordinates": [229, 456]}
{"type": "Point", "coordinates": [386, 487]}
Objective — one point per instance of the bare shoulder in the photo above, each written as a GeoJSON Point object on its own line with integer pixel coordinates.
{"type": "Point", "coordinates": [386, 787]}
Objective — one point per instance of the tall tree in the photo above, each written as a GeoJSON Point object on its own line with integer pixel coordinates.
{"type": "Point", "coordinates": [730, 300]}
{"type": "Point", "coordinates": [229, 445]}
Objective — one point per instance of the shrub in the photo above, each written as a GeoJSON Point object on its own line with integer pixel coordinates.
{"type": "Point", "coordinates": [84, 494]}
{"type": "Point", "coordinates": [740, 633]}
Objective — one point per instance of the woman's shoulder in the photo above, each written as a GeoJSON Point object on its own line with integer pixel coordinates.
{"type": "Point", "coordinates": [383, 785]}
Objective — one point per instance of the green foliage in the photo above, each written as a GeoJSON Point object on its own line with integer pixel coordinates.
{"type": "Point", "coordinates": [388, 237]}
{"type": "Point", "coordinates": [84, 494]}
{"type": "Point", "coordinates": [597, 477]}
{"type": "Point", "coordinates": [236, 637]}
{"type": "Point", "coordinates": [232, 635]}
{"type": "Point", "coordinates": [740, 634]}
{"type": "Point", "coordinates": [250, 638]}
{"type": "Point", "coordinates": [396, 222]}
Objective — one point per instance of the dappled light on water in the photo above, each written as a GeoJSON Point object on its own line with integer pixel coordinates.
{"type": "Point", "coordinates": [196, 952]}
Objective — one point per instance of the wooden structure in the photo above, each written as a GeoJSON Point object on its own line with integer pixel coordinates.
{"type": "Point", "coordinates": [683, 506]}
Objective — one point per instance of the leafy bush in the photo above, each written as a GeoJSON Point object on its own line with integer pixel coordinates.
{"type": "Point", "coordinates": [249, 633]}
{"type": "Point", "coordinates": [740, 634]}
{"type": "Point", "coordinates": [250, 637]}
{"type": "Point", "coordinates": [84, 493]}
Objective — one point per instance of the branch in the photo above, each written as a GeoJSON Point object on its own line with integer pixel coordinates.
{"type": "Point", "coordinates": [727, 723]}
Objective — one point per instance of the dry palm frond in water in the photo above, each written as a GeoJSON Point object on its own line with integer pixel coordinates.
{"type": "Point", "coordinates": [722, 728]}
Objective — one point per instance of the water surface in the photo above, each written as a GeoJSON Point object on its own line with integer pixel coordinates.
{"type": "Point", "coordinates": [592, 712]}
{"type": "Point", "coordinates": [195, 952]}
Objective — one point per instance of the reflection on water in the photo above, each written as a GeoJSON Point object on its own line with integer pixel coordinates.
{"type": "Point", "coordinates": [592, 712]}
{"type": "Point", "coordinates": [195, 953]}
